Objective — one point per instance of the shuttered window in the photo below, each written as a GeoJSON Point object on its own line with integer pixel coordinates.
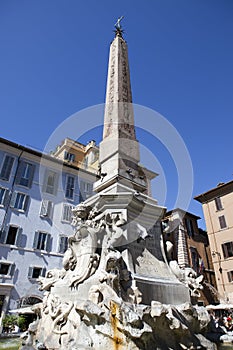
{"type": "Point", "coordinates": [189, 227]}
{"type": "Point", "coordinates": [218, 203]}
{"type": "Point", "coordinates": [227, 249]}
{"type": "Point", "coordinates": [42, 241]}
{"type": "Point", "coordinates": [46, 208]}
{"type": "Point", "coordinates": [12, 234]}
{"type": "Point", "coordinates": [69, 187]}
{"type": "Point", "coordinates": [63, 244]}
{"type": "Point", "coordinates": [70, 157]}
{"type": "Point", "coordinates": [6, 167]}
{"type": "Point", "coordinates": [7, 268]}
{"type": "Point", "coordinates": [4, 193]}
{"type": "Point", "coordinates": [230, 276]}
{"type": "Point", "coordinates": [25, 174]}
{"type": "Point", "coordinates": [35, 272]}
{"type": "Point", "coordinates": [50, 183]}
{"type": "Point", "coordinates": [67, 212]}
{"type": "Point", "coordinates": [19, 201]}
{"type": "Point", "coordinates": [222, 221]}
{"type": "Point", "coordinates": [85, 191]}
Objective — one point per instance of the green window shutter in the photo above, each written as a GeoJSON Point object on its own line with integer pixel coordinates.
{"type": "Point", "coordinates": [26, 201]}
{"type": "Point", "coordinates": [19, 173]}
{"type": "Point", "coordinates": [49, 209]}
{"type": "Point", "coordinates": [19, 237]}
{"type": "Point", "coordinates": [12, 269]}
{"type": "Point", "coordinates": [45, 179]}
{"type": "Point", "coordinates": [89, 190]}
{"type": "Point", "coordinates": [63, 243]}
{"type": "Point", "coordinates": [6, 168]}
{"type": "Point", "coordinates": [67, 212]}
{"type": "Point", "coordinates": [56, 184]}
{"type": "Point", "coordinates": [48, 243]}
{"type": "Point", "coordinates": [6, 197]}
{"type": "Point", "coordinates": [43, 208]}
{"type": "Point", "coordinates": [46, 208]}
{"type": "Point", "coordinates": [3, 236]}
{"type": "Point", "coordinates": [31, 175]}
{"type": "Point", "coordinates": [82, 195]}
{"type": "Point", "coordinates": [13, 199]}
{"type": "Point", "coordinates": [69, 187]}
{"type": "Point", "coordinates": [30, 271]}
{"type": "Point", "coordinates": [35, 242]}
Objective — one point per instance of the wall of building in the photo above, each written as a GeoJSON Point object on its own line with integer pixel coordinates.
{"type": "Point", "coordinates": [28, 254]}
{"type": "Point", "coordinates": [219, 236]}
{"type": "Point", "coordinates": [191, 249]}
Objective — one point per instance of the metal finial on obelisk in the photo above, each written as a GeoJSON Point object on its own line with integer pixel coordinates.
{"type": "Point", "coordinates": [118, 28]}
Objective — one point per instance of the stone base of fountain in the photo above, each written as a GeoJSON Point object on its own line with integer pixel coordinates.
{"type": "Point", "coordinates": [113, 324]}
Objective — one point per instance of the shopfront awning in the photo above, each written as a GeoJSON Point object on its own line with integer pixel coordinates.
{"type": "Point", "coordinates": [219, 307]}
{"type": "Point", "coordinates": [22, 310]}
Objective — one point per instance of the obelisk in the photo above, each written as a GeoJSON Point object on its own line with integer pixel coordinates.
{"type": "Point", "coordinates": [123, 187]}
{"type": "Point", "coordinates": [119, 149]}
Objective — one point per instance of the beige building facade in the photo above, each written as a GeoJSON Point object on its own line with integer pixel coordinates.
{"type": "Point", "coordinates": [217, 206]}
{"type": "Point", "coordinates": [79, 155]}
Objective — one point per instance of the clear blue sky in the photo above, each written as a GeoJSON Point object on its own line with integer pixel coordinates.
{"type": "Point", "coordinates": [53, 63]}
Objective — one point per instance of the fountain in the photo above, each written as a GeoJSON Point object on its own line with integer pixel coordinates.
{"type": "Point", "coordinates": [116, 289]}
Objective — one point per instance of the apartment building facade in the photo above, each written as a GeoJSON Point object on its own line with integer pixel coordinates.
{"type": "Point", "coordinates": [191, 249]}
{"type": "Point", "coordinates": [37, 193]}
{"type": "Point", "coordinates": [217, 205]}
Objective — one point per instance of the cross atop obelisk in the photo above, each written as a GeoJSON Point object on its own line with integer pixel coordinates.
{"type": "Point", "coordinates": [119, 150]}
{"type": "Point", "coordinates": [118, 29]}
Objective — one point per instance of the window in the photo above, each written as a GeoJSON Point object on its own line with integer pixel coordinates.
{"type": "Point", "coordinates": [6, 167]}
{"type": "Point", "coordinates": [222, 221]}
{"type": "Point", "coordinates": [46, 208]}
{"type": "Point", "coordinates": [50, 182]}
{"type": "Point", "coordinates": [19, 201]}
{"type": "Point", "coordinates": [42, 241]}
{"type": "Point", "coordinates": [189, 227]}
{"type": "Point", "coordinates": [29, 300]}
{"type": "Point", "coordinates": [3, 196]}
{"type": "Point", "coordinates": [67, 212]}
{"type": "Point", "coordinates": [25, 173]}
{"type": "Point", "coordinates": [6, 268]}
{"type": "Point", "coordinates": [70, 187]}
{"type": "Point", "coordinates": [230, 276]}
{"type": "Point", "coordinates": [227, 249]}
{"type": "Point", "coordinates": [70, 157]}
{"type": "Point", "coordinates": [195, 259]}
{"type": "Point", "coordinates": [12, 234]}
{"type": "Point", "coordinates": [85, 190]}
{"type": "Point", "coordinates": [63, 244]}
{"type": "Point", "coordinates": [218, 203]}
{"type": "Point", "coordinates": [35, 272]}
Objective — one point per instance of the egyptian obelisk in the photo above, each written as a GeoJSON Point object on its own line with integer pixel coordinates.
{"type": "Point", "coordinates": [124, 186]}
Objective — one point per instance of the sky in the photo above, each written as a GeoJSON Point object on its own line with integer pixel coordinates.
{"type": "Point", "coordinates": [53, 64]}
